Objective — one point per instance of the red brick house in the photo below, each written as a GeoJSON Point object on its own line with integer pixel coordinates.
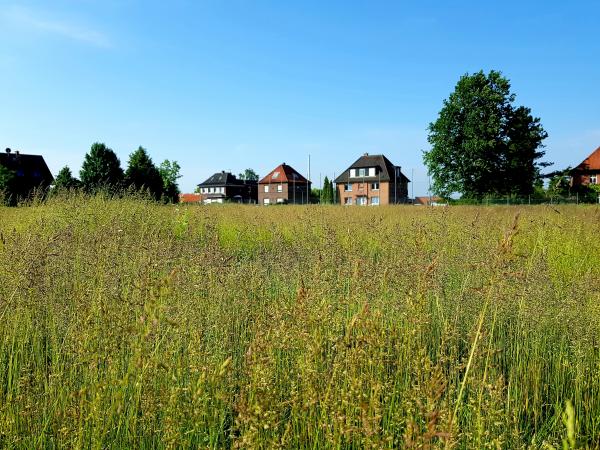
{"type": "Point", "coordinates": [284, 185]}
{"type": "Point", "coordinates": [588, 172]}
{"type": "Point", "coordinates": [372, 180]}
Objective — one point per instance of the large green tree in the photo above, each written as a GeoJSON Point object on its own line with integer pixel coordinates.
{"type": "Point", "coordinates": [142, 174]}
{"type": "Point", "coordinates": [482, 144]}
{"type": "Point", "coordinates": [65, 180]}
{"type": "Point", "coordinates": [101, 169]}
{"type": "Point", "coordinates": [169, 172]}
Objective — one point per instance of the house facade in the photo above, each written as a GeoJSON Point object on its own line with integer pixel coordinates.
{"type": "Point", "coordinates": [225, 187]}
{"type": "Point", "coordinates": [372, 180]}
{"type": "Point", "coordinates": [284, 185]}
{"type": "Point", "coordinates": [31, 171]}
{"type": "Point", "coordinates": [588, 172]}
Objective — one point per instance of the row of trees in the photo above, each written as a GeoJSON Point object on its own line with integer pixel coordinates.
{"type": "Point", "coordinates": [101, 169]}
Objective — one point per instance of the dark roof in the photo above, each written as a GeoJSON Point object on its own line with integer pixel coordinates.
{"type": "Point", "coordinates": [32, 167]}
{"type": "Point", "coordinates": [283, 174]}
{"type": "Point", "coordinates": [386, 168]}
{"type": "Point", "coordinates": [222, 179]}
{"type": "Point", "coordinates": [589, 164]}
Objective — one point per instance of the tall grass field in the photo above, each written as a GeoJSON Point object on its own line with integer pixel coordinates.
{"type": "Point", "coordinates": [126, 324]}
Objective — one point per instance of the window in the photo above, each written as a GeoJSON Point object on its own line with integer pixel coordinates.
{"type": "Point", "coordinates": [375, 186]}
{"type": "Point", "coordinates": [276, 174]}
{"type": "Point", "coordinates": [362, 172]}
{"type": "Point", "coordinates": [266, 201]}
{"type": "Point", "coordinates": [371, 171]}
{"type": "Point", "coordinates": [266, 188]}
{"type": "Point", "coordinates": [361, 200]}
{"type": "Point", "coordinates": [348, 187]}
{"type": "Point", "coordinates": [594, 179]}
{"type": "Point", "coordinates": [375, 201]}
{"type": "Point", "coordinates": [280, 188]}
{"type": "Point", "coordinates": [347, 200]}
{"type": "Point", "coordinates": [280, 200]}
{"type": "Point", "coordinates": [352, 173]}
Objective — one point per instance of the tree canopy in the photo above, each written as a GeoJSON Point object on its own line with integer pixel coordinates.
{"type": "Point", "coordinates": [481, 143]}
{"type": "Point", "coordinates": [327, 192]}
{"type": "Point", "coordinates": [248, 175]}
{"type": "Point", "coordinates": [65, 180]}
{"type": "Point", "coordinates": [169, 172]}
{"type": "Point", "coordinates": [142, 174]}
{"type": "Point", "coordinates": [101, 168]}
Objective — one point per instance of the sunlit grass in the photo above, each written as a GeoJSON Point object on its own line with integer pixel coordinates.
{"type": "Point", "coordinates": [133, 325]}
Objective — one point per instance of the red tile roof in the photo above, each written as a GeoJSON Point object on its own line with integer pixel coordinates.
{"type": "Point", "coordinates": [190, 198]}
{"type": "Point", "coordinates": [425, 200]}
{"type": "Point", "coordinates": [283, 174]}
{"type": "Point", "coordinates": [592, 162]}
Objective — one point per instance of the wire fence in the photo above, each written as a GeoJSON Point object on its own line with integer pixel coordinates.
{"type": "Point", "coordinates": [530, 200]}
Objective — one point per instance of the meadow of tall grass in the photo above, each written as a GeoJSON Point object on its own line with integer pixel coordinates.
{"type": "Point", "coordinates": [126, 324]}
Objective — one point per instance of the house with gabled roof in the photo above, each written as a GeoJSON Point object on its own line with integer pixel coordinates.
{"type": "Point", "coordinates": [588, 172]}
{"type": "Point", "coordinates": [283, 185]}
{"type": "Point", "coordinates": [225, 187]}
{"type": "Point", "coordinates": [31, 171]}
{"type": "Point", "coordinates": [372, 180]}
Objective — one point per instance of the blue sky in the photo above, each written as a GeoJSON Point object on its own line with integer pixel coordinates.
{"type": "Point", "coordinates": [226, 85]}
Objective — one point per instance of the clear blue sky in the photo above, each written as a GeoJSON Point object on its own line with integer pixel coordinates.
{"type": "Point", "coordinates": [248, 83]}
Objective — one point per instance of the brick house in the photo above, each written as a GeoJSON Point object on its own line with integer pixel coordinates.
{"type": "Point", "coordinates": [284, 185]}
{"type": "Point", "coordinates": [224, 187]}
{"type": "Point", "coordinates": [372, 180]}
{"type": "Point", "coordinates": [588, 172]}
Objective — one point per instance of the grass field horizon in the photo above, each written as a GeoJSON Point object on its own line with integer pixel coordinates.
{"type": "Point", "coordinates": [128, 324]}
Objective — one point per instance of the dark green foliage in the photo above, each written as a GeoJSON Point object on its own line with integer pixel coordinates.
{"type": "Point", "coordinates": [481, 144]}
{"type": "Point", "coordinates": [65, 180]}
{"type": "Point", "coordinates": [142, 174]}
{"type": "Point", "coordinates": [7, 185]}
{"type": "Point", "coordinates": [327, 192]}
{"type": "Point", "coordinates": [101, 169]}
{"type": "Point", "coordinates": [169, 172]}
{"type": "Point", "coordinates": [248, 175]}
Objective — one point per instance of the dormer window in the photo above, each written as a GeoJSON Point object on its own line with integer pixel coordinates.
{"type": "Point", "coordinates": [276, 174]}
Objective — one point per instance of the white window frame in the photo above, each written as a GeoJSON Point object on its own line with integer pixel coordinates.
{"type": "Point", "coordinates": [371, 171]}
{"type": "Point", "coordinates": [374, 184]}
{"type": "Point", "coordinates": [593, 178]}
{"type": "Point", "coordinates": [348, 187]}
{"type": "Point", "coordinates": [362, 200]}
{"type": "Point", "coordinates": [352, 173]}
{"type": "Point", "coordinates": [348, 201]}
{"type": "Point", "coordinates": [266, 188]}
{"type": "Point", "coordinates": [375, 201]}
{"type": "Point", "coordinates": [280, 188]}
{"type": "Point", "coordinates": [362, 172]}
{"type": "Point", "coordinates": [266, 201]}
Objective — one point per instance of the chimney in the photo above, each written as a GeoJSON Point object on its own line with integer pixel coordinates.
{"type": "Point", "coordinates": [17, 152]}
{"type": "Point", "coordinates": [366, 154]}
